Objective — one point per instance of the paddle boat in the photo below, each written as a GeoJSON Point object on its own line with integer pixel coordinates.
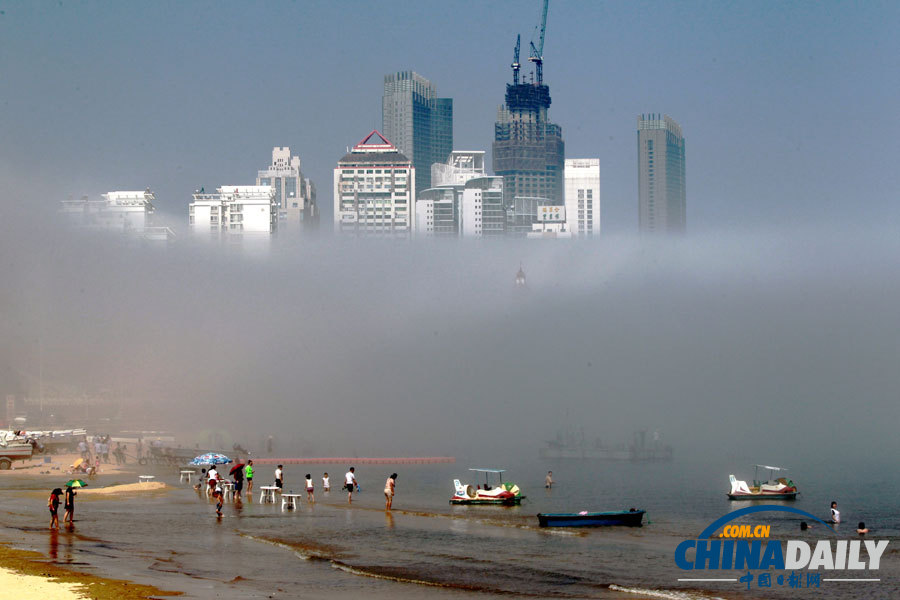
{"type": "Point", "coordinates": [629, 518]}
{"type": "Point", "coordinates": [504, 494]}
{"type": "Point", "coordinates": [773, 489]}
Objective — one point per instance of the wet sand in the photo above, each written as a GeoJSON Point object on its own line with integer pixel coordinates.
{"type": "Point", "coordinates": [26, 575]}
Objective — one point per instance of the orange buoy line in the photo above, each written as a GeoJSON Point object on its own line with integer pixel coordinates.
{"type": "Point", "coordinates": [408, 460]}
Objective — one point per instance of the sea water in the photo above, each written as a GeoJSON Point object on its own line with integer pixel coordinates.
{"type": "Point", "coordinates": [428, 548]}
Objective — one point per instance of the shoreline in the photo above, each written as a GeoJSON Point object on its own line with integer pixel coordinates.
{"type": "Point", "coordinates": [28, 574]}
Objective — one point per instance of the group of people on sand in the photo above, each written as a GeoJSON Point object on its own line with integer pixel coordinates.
{"type": "Point", "coordinates": [214, 482]}
{"type": "Point", "coordinates": [68, 506]}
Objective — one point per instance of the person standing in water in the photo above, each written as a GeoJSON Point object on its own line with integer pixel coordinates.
{"type": "Point", "coordinates": [389, 487]}
{"type": "Point", "coordinates": [835, 513]}
{"type": "Point", "coordinates": [248, 471]}
{"type": "Point", "coordinates": [548, 481]}
{"type": "Point", "coordinates": [326, 483]}
{"type": "Point", "coordinates": [349, 482]}
{"type": "Point", "coordinates": [53, 505]}
{"type": "Point", "coordinates": [69, 516]}
{"type": "Point", "coordinates": [310, 488]}
{"type": "Point", "coordinates": [238, 483]}
{"type": "Point", "coordinates": [279, 478]}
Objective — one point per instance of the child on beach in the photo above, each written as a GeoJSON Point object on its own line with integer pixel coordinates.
{"type": "Point", "coordinates": [326, 484]}
{"type": "Point", "coordinates": [310, 488]}
{"type": "Point", "coordinates": [389, 486]}
{"type": "Point", "coordinates": [53, 505]}
{"type": "Point", "coordinates": [349, 482]}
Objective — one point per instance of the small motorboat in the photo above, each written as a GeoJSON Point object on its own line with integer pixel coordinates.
{"type": "Point", "coordinates": [504, 494]}
{"type": "Point", "coordinates": [15, 446]}
{"type": "Point", "coordinates": [779, 488]}
{"type": "Point", "coordinates": [628, 518]}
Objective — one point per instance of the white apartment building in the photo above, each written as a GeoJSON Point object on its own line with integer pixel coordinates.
{"type": "Point", "coordinates": [483, 213]}
{"type": "Point", "coordinates": [582, 195]}
{"type": "Point", "coordinates": [234, 209]}
{"type": "Point", "coordinates": [374, 190]}
{"type": "Point", "coordinates": [128, 212]}
{"type": "Point", "coordinates": [461, 166]}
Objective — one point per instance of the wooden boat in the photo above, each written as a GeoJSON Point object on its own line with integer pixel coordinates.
{"type": "Point", "coordinates": [628, 518]}
{"type": "Point", "coordinates": [773, 489]}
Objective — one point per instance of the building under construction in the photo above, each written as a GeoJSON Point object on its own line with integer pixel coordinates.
{"type": "Point", "coordinates": [528, 149]}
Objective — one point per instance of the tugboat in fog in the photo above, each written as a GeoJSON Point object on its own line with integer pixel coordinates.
{"type": "Point", "coordinates": [520, 277]}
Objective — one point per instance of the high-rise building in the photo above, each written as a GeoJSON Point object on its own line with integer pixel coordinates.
{"type": "Point", "coordinates": [127, 212]}
{"type": "Point", "coordinates": [583, 196]}
{"type": "Point", "coordinates": [662, 203]}
{"type": "Point", "coordinates": [417, 122]}
{"type": "Point", "coordinates": [438, 208]}
{"type": "Point", "coordinates": [483, 208]}
{"type": "Point", "coordinates": [373, 189]}
{"type": "Point", "coordinates": [234, 210]}
{"type": "Point", "coordinates": [295, 196]}
{"type": "Point", "coordinates": [528, 150]}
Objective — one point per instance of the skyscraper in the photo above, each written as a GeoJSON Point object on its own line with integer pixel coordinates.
{"type": "Point", "coordinates": [583, 196]}
{"type": "Point", "coordinates": [295, 196]}
{"type": "Point", "coordinates": [373, 190]}
{"type": "Point", "coordinates": [662, 204]}
{"type": "Point", "coordinates": [417, 122]}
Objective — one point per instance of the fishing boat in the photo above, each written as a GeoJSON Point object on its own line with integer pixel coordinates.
{"type": "Point", "coordinates": [779, 488]}
{"type": "Point", "coordinates": [503, 494]}
{"type": "Point", "coordinates": [628, 518]}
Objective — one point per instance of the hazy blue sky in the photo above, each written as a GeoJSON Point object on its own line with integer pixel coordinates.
{"type": "Point", "coordinates": [789, 109]}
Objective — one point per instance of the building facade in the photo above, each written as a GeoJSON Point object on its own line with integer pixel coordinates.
{"type": "Point", "coordinates": [662, 199]}
{"type": "Point", "coordinates": [528, 150]}
{"type": "Point", "coordinates": [417, 122]}
{"type": "Point", "coordinates": [234, 210]}
{"type": "Point", "coordinates": [295, 195]}
{"type": "Point", "coordinates": [583, 196]}
{"type": "Point", "coordinates": [483, 211]}
{"type": "Point", "coordinates": [438, 208]}
{"type": "Point", "coordinates": [127, 212]}
{"type": "Point", "coordinates": [374, 191]}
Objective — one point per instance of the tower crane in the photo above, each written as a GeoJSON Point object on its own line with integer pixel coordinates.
{"type": "Point", "coordinates": [537, 53]}
{"type": "Point", "coordinates": [515, 63]}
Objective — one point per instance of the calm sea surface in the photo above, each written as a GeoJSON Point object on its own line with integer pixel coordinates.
{"type": "Point", "coordinates": [427, 548]}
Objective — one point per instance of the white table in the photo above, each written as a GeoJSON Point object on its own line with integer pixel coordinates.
{"type": "Point", "coordinates": [267, 493]}
{"type": "Point", "coordinates": [289, 501]}
{"type": "Point", "coordinates": [146, 478]}
{"type": "Point", "coordinates": [187, 475]}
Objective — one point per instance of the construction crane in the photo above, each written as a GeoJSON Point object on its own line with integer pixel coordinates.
{"type": "Point", "coordinates": [537, 53]}
{"type": "Point", "coordinates": [515, 63]}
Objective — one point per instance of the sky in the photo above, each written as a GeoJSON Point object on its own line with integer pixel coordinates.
{"type": "Point", "coordinates": [788, 109]}
{"type": "Point", "coordinates": [777, 307]}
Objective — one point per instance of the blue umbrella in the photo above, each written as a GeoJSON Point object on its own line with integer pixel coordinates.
{"type": "Point", "coordinates": [211, 458]}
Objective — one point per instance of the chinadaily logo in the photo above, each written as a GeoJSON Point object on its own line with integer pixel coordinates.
{"type": "Point", "coordinates": [768, 563]}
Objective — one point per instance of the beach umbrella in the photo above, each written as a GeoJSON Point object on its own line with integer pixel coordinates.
{"type": "Point", "coordinates": [77, 463]}
{"type": "Point", "coordinates": [235, 468]}
{"type": "Point", "coordinates": [211, 458]}
{"type": "Point", "coordinates": [76, 483]}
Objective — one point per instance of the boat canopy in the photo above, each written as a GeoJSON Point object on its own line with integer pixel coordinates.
{"type": "Point", "coordinates": [772, 468]}
{"type": "Point", "coordinates": [489, 470]}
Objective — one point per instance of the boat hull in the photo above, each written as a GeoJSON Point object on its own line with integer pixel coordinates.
{"type": "Point", "coordinates": [489, 501]}
{"type": "Point", "coordinates": [773, 496]}
{"type": "Point", "coordinates": [627, 518]}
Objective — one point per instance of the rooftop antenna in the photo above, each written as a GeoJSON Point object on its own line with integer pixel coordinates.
{"type": "Point", "coordinates": [537, 53]}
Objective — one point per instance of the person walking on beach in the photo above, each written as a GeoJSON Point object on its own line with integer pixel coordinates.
{"type": "Point", "coordinates": [326, 483]}
{"type": "Point", "coordinates": [310, 488]}
{"type": "Point", "coordinates": [248, 471]}
{"type": "Point", "coordinates": [69, 505]}
{"type": "Point", "coordinates": [548, 481]}
{"type": "Point", "coordinates": [349, 482]}
{"type": "Point", "coordinates": [835, 513]}
{"type": "Point", "coordinates": [389, 486]}
{"type": "Point", "coordinates": [213, 480]}
{"type": "Point", "coordinates": [279, 478]}
{"type": "Point", "coordinates": [53, 505]}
